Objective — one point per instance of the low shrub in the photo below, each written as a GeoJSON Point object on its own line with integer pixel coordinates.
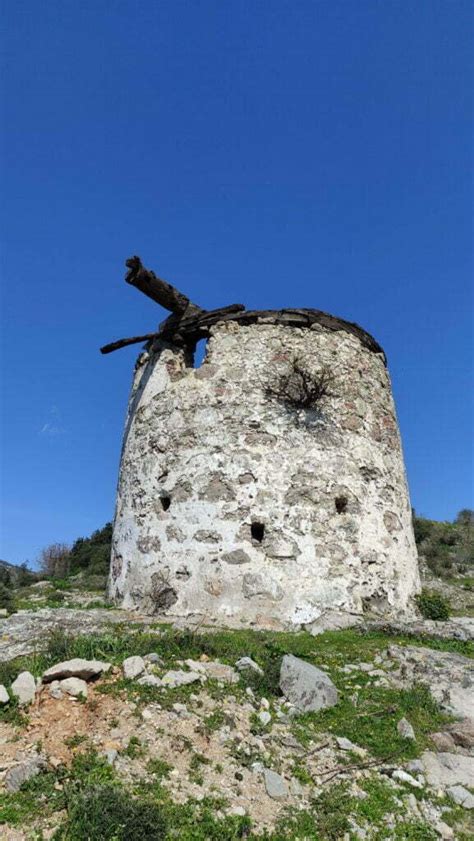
{"type": "Point", "coordinates": [433, 606]}
{"type": "Point", "coordinates": [103, 813]}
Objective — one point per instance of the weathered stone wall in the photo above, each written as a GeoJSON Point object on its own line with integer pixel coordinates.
{"type": "Point", "coordinates": [208, 452]}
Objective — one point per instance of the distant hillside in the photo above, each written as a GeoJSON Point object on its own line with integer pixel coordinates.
{"type": "Point", "coordinates": [16, 575]}
{"type": "Point", "coordinates": [446, 548]}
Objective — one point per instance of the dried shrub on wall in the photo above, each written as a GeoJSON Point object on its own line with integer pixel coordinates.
{"type": "Point", "coordinates": [300, 388]}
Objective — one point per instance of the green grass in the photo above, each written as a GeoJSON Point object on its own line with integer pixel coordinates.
{"type": "Point", "coordinates": [372, 724]}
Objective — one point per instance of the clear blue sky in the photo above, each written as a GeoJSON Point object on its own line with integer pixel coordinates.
{"type": "Point", "coordinates": [280, 153]}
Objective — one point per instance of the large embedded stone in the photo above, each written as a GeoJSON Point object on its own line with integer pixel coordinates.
{"type": "Point", "coordinates": [4, 696]}
{"type": "Point", "coordinates": [238, 556]}
{"type": "Point", "coordinates": [255, 584]}
{"type": "Point", "coordinates": [304, 685]}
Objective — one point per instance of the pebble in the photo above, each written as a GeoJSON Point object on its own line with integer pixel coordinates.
{"type": "Point", "coordinates": [403, 777]}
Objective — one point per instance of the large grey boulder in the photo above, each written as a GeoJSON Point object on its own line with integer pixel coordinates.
{"type": "Point", "coordinates": [307, 687]}
{"type": "Point", "coordinates": [24, 688]}
{"type": "Point", "coordinates": [4, 696]}
{"type": "Point", "coordinates": [77, 667]}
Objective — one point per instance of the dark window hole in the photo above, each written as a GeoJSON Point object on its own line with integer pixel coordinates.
{"type": "Point", "coordinates": [165, 502]}
{"type": "Point", "coordinates": [341, 504]}
{"type": "Point", "coordinates": [258, 531]}
{"type": "Point", "coordinates": [200, 350]}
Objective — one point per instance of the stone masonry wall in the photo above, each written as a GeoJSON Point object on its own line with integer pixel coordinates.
{"type": "Point", "coordinates": [239, 508]}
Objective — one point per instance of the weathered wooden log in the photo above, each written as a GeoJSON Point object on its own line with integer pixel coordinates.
{"type": "Point", "coordinates": [134, 340]}
{"type": "Point", "coordinates": [159, 290]}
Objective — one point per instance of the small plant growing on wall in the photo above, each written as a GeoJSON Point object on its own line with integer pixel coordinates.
{"type": "Point", "coordinates": [300, 388]}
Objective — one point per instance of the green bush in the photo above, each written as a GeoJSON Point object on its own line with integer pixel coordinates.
{"type": "Point", "coordinates": [433, 605]}
{"type": "Point", "coordinates": [104, 813]}
{"type": "Point", "coordinates": [6, 598]}
{"type": "Point", "coordinates": [92, 553]}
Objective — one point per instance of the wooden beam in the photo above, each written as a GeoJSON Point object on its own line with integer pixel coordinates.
{"type": "Point", "coordinates": [159, 290]}
{"type": "Point", "coordinates": [124, 342]}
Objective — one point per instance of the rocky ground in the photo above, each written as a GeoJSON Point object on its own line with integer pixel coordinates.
{"type": "Point", "coordinates": [115, 728]}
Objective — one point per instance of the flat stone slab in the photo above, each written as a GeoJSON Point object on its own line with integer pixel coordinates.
{"type": "Point", "coordinates": [275, 785]}
{"type": "Point", "coordinates": [28, 631]}
{"type": "Point", "coordinates": [456, 628]}
{"type": "Point", "coordinates": [77, 667]}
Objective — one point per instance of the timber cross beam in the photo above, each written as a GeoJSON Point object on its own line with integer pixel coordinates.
{"type": "Point", "coordinates": [183, 312]}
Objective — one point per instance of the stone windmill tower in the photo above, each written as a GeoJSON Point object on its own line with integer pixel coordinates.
{"type": "Point", "coordinates": [267, 485]}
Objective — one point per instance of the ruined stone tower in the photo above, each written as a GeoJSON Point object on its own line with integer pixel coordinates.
{"type": "Point", "coordinates": [267, 485]}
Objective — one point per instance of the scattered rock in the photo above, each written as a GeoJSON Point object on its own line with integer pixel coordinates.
{"type": "Point", "coordinates": [247, 664]}
{"type": "Point", "coordinates": [443, 741]}
{"type": "Point", "coordinates": [462, 732]}
{"type": "Point", "coordinates": [403, 777]}
{"type": "Point", "coordinates": [153, 658]}
{"type": "Point", "coordinates": [74, 686]}
{"type": "Point", "coordinates": [405, 729]}
{"type": "Point", "coordinates": [275, 785]}
{"type": "Point", "coordinates": [175, 678]}
{"type": "Point", "coordinates": [77, 667]}
{"type": "Point", "coordinates": [54, 690]}
{"type": "Point", "coordinates": [306, 686]}
{"type": "Point", "coordinates": [461, 796]}
{"type": "Point", "coordinates": [24, 688]}
{"type": "Point", "coordinates": [214, 670]}
{"type": "Point", "coordinates": [133, 667]}
{"type": "Point", "coordinates": [19, 774]}
{"type": "Point", "coordinates": [4, 696]}
{"type": "Point", "coordinates": [150, 680]}
{"type": "Point", "coordinates": [264, 717]}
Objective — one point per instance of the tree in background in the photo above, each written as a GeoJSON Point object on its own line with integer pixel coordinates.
{"type": "Point", "coordinates": [54, 560]}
